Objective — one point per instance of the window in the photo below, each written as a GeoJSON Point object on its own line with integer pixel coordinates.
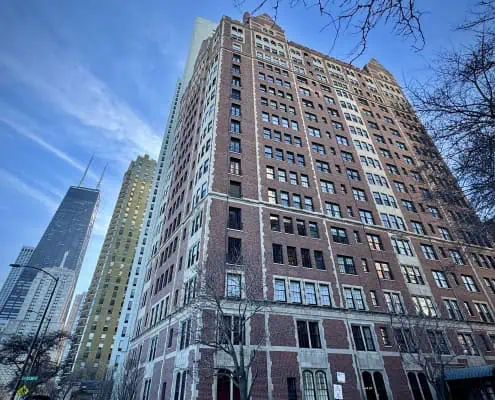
{"type": "Point", "coordinates": [346, 265]}
{"type": "Point", "coordinates": [456, 257]}
{"type": "Point", "coordinates": [402, 247]}
{"type": "Point", "coordinates": [301, 227]}
{"type": "Point", "coordinates": [233, 285]}
{"type": "Point", "coordinates": [484, 312]}
{"type": "Point", "coordinates": [412, 274]}
{"type": "Point", "coordinates": [445, 233]}
{"type": "Point", "coordinates": [234, 255]}
{"type": "Point", "coordinates": [306, 258]}
{"type": "Point", "coordinates": [314, 391]}
{"type": "Point", "coordinates": [392, 221]}
{"type": "Point", "coordinates": [319, 260]}
{"type": "Point", "coordinates": [236, 94]}
{"type": "Point", "coordinates": [231, 329]}
{"type": "Point", "coordinates": [272, 196]}
{"type": "Point", "coordinates": [354, 298]}
{"type": "Point", "coordinates": [339, 235]}
{"type": "Point", "coordinates": [422, 390]}
{"type": "Point", "coordinates": [268, 152]}
{"type": "Point", "coordinates": [274, 223]}
{"type": "Point", "coordinates": [322, 166]}
{"type": "Point", "coordinates": [288, 227]}
{"type": "Point", "coordinates": [440, 279]}
{"type": "Point", "coordinates": [374, 241]}
{"type": "Point", "coordinates": [429, 252]}
{"type": "Point", "coordinates": [394, 302]}
{"type": "Point", "coordinates": [235, 145]}
{"type": "Point", "coordinates": [235, 166]}
{"type": "Point", "coordinates": [152, 351]}
{"type": "Point", "coordinates": [146, 389]}
{"type": "Point", "coordinates": [418, 228]}
{"type": "Point", "coordinates": [333, 210]}
{"type": "Point", "coordinates": [467, 343]}
{"type": "Point", "coordinates": [366, 217]}
{"type": "Point", "coordinates": [374, 386]}
{"type": "Point", "coordinates": [308, 334]}
{"type": "Point", "coordinates": [453, 309]}
{"type": "Point", "coordinates": [385, 338]}
{"type": "Point", "coordinates": [363, 338]}
{"type": "Point", "coordinates": [383, 270]}
{"type": "Point", "coordinates": [235, 219]}
{"type": "Point", "coordinates": [424, 306]}
{"type": "Point", "coordinates": [469, 283]}
{"type": "Point", "coordinates": [359, 194]}
{"type": "Point", "coordinates": [327, 187]}
{"type": "Point", "coordinates": [235, 189]}
{"type": "Point", "coordinates": [291, 255]}
{"type": "Point", "coordinates": [280, 292]}
{"type": "Point", "coordinates": [284, 199]}
{"type": "Point", "coordinates": [313, 230]}
{"type": "Point", "coordinates": [308, 204]}
{"type": "Point", "coordinates": [353, 175]}
{"type": "Point", "coordinates": [434, 211]}
{"type": "Point", "coordinates": [235, 126]}
{"type": "Point", "coordinates": [278, 256]}
{"type": "Point", "coordinates": [235, 110]}
{"type": "Point", "coordinates": [310, 293]}
{"type": "Point", "coordinates": [295, 292]}
{"type": "Point", "coordinates": [325, 295]}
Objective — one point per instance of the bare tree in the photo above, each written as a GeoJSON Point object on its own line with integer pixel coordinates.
{"type": "Point", "coordinates": [85, 380]}
{"type": "Point", "coordinates": [43, 363]}
{"type": "Point", "coordinates": [127, 379]}
{"type": "Point", "coordinates": [422, 345]}
{"type": "Point", "coordinates": [457, 105]}
{"type": "Point", "coordinates": [230, 309]}
{"type": "Point", "coordinates": [360, 17]}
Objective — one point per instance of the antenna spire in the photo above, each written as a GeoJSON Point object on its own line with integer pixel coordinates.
{"type": "Point", "coordinates": [101, 177]}
{"type": "Point", "coordinates": [86, 171]}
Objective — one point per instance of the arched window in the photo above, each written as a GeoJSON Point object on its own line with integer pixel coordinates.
{"type": "Point", "coordinates": [321, 385]}
{"type": "Point", "coordinates": [369, 387]}
{"type": "Point", "coordinates": [309, 386]}
{"type": "Point", "coordinates": [223, 386]}
{"type": "Point", "coordinates": [425, 387]}
{"type": "Point", "coordinates": [226, 388]}
{"type": "Point", "coordinates": [413, 382]}
{"type": "Point", "coordinates": [380, 386]}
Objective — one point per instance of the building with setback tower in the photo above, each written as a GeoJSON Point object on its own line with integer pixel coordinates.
{"type": "Point", "coordinates": [99, 315]}
{"type": "Point", "coordinates": [323, 171]}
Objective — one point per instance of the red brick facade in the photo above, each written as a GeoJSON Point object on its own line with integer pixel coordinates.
{"type": "Point", "coordinates": [331, 172]}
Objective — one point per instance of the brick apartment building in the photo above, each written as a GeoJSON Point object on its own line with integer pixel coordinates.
{"type": "Point", "coordinates": [323, 175]}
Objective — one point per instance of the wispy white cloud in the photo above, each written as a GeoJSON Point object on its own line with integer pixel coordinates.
{"type": "Point", "coordinates": [74, 90]}
{"type": "Point", "coordinates": [21, 127]}
{"type": "Point", "coordinates": [11, 181]}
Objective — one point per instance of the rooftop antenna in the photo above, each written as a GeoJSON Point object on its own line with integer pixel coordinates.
{"type": "Point", "coordinates": [86, 171]}
{"type": "Point", "coordinates": [101, 177]}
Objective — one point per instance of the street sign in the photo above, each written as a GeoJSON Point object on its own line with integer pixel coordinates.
{"type": "Point", "coordinates": [22, 391]}
{"type": "Point", "coordinates": [29, 378]}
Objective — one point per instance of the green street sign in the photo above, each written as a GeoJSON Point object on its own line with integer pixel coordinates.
{"type": "Point", "coordinates": [29, 378]}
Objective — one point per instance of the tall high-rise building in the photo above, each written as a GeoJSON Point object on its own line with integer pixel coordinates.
{"type": "Point", "coordinates": [322, 175]}
{"type": "Point", "coordinates": [152, 226]}
{"type": "Point", "coordinates": [97, 324]}
{"type": "Point", "coordinates": [61, 252]}
{"type": "Point", "coordinates": [22, 259]}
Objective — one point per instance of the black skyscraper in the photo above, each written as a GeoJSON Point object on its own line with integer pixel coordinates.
{"type": "Point", "coordinates": [64, 243]}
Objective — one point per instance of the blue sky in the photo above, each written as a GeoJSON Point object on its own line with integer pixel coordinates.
{"type": "Point", "coordinates": [96, 77]}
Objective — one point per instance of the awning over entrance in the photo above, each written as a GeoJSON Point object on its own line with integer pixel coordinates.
{"type": "Point", "coordinates": [483, 371]}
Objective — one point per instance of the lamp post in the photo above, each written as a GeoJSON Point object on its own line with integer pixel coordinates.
{"type": "Point", "coordinates": [35, 338]}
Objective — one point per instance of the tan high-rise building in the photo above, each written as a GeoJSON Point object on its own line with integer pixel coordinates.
{"type": "Point", "coordinates": [94, 334]}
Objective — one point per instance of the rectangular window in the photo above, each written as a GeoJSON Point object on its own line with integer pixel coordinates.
{"type": "Point", "coordinates": [469, 283]}
{"type": "Point", "coordinates": [295, 292]}
{"type": "Point", "coordinates": [440, 279]}
{"type": "Point", "coordinates": [374, 241]}
{"type": "Point", "coordinates": [319, 260]}
{"type": "Point", "coordinates": [310, 293]}
{"type": "Point", "coordinates": [308, 334]}
{"type": "Point", "coordinates": [278, 256]}
{"type": "Point", "coordinates": [235, 218]}
{"type": "Point", "coordinates": [280, 292]}
{"type": "Point", "coordinates": [234, 255]}
{"type": "Point", "coordinates": [346, 265]}
{"type": "Point", "coordinates": [383, 270]}
{"type": "Point", "coordinates": [339, 235]}
{"type": "Point", "coordinates": [363, 338]}
{"type": "Point", "coordinates": [354, 299]}
{"type": "Point", "coordinates": [233, 285]}
{"type": "Point", "coordinates": [453, 309]}
{"type": "Point", "coordinates": [467, 343]}
{"type": "Point", "coordinates": [333, 210]}
{"type": "Point", "coordinates": [306, 258]}
{"type": "Point", "coordinates": [291, 256]}
{"type": "Point", "coordinates": [325, 295]}
{"type": "Point", "coordinates": [235, 189]}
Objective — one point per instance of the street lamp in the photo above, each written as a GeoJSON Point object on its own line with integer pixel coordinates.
{"type": "Point", "coordinates": [35, 338]}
